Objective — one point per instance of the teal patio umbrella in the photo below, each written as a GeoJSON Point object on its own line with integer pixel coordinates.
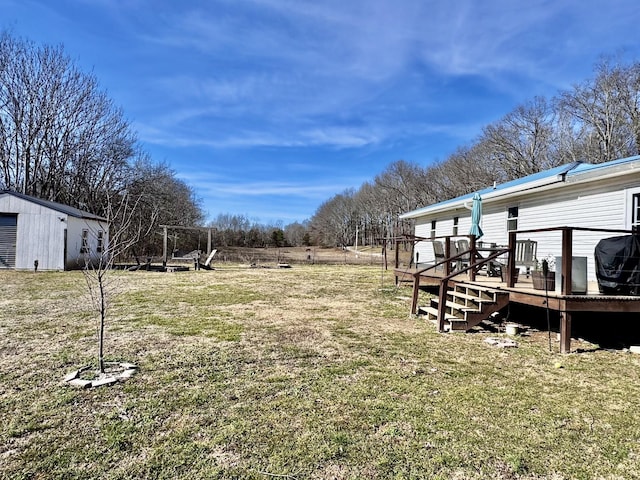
{"type": "Point", "coordinates": [476, 215]}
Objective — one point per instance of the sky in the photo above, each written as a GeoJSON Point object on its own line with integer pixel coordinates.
{"type": "Point", "coordinates": [269, 108]}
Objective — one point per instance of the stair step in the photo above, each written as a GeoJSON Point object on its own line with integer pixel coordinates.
{"type": "Point", "coordinates": [473, 298]}
{"type": "Point", "coordinates": [452, 325]}
{"type": "Point", "coordinates": [458, 325]}
{"type": "Point", "coordinates": [456, 306]}
{"type": "Point", "coordinates": [433, 312]}
{"type": "Point", "coordinates": [482, 292]}
{"type": "Point", "coordinates": [466, 306]}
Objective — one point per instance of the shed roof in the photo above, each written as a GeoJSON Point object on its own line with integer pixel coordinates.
{"type": "Point", "coordinates": [569, 173]}
{"type": "Point", "coordinates": [59, 207]}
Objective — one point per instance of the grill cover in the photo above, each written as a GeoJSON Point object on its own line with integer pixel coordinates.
{"type": "Point", "coordinates": [618, 265]}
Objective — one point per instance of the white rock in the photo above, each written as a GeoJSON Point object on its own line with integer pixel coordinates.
{"type": "Point", "coordinates": [104, 381]}
{"type": "Point", "coordinates": [71, 375]}
{"type": "Point", "coordinates": [78, 382]}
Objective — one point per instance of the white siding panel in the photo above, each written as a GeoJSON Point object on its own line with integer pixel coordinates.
{"type": "Point", "coordinates": [40, 238]}
{"type": "Point", "coordinates": [75, 226]}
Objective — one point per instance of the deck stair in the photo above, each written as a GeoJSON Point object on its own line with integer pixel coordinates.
{"type": "Point", "coordinates": [466, 306]}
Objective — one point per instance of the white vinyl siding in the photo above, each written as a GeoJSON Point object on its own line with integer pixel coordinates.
{"type": "Point", "coordinates": [602, 204]}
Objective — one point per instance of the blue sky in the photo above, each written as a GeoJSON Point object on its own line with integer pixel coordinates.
{"type": "Point", "coordinates": [268, 108]}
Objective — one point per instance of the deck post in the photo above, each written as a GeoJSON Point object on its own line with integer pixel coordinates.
{"type": "Point", "coordinates": [397, 251]}
{"type": "Point", "coordinates": [413, 253]}
{"type": "Point", "coordinates": [511, 260]}
{"type": "Point", "coordinates": [447, 255]}
{"type": "Point", "coordinates": [416, 290]}
{"type": "Point", "coordinates": [567, 258]}
{"type": "Point", "coordinates": [565, 332]}
{"type": "Point", "coordinates": [472, 257]}
{"type": "Point", "coordinates": [442, 304]}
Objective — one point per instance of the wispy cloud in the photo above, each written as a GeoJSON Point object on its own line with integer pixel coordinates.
{"type": "Point", "coordinates": [333, 85]}
{"type": "Point", "coordinates": [316, 190]}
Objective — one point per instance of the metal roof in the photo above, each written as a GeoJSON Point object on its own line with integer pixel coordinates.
{"type": "Point", "coordinates": [570, 172]}
{"type": "Point", "coordinates": [59, 207]}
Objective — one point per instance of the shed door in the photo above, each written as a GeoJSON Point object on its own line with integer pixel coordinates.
{"type": "Point", "coordinates": [8, 229]}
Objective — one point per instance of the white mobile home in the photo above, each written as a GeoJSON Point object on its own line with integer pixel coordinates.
{"type": "Point", "coordinates": [47, 234]}
{"type": "Point", "coordinates": [599, 196]}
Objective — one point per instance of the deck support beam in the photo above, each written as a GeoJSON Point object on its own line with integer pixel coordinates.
{"type": "Point", "coordinates": [416, 292]}
{"type": "Point", "coordinates": [442, 305]}
{"type": "Point", "coordinates": [567, 257]}
{"type": "Point", "coordinates": [511, 260]}
{"type": "Point", "coordinates": [565, 332]}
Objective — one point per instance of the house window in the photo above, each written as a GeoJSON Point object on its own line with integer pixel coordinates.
{"type": "Point", "coordinates": [85, 242]}
{"type": "Point", "coordinates": [455, 227]}
{"type": "Point", "coordinates": [433, 229]}
{"type": "Point", "coordinates": [100, 241]}
{"type": "Point", "coordinates": [512, 219]}
{"type": "Point", "coordinates": [635, 212]}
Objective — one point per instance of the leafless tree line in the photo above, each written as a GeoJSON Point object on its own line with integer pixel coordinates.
{"type": "Point", "coordinates": [595, 121]}
{"type": "Point", "coordinates": [232, 230]}
{"type": "Point", "coordinates": [62, 139]}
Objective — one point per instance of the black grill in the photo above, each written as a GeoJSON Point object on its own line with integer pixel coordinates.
{"type": "Point", "coordinates": [618, 265]}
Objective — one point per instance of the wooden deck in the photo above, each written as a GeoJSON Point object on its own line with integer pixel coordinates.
{"type": "Point", "coordinates": [523, 293]}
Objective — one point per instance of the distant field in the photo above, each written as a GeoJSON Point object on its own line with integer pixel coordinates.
{"type": "Point", "coordinates": [271, 256]}
{"type": "Point", "coordinates": [310, 372]}
{"type": "Point", "coordinates": [310, 255]}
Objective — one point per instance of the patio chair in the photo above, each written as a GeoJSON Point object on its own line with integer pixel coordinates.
{"type": "Point", "coordinates": [526, 251]}
{"type": "Point", "coordinates": [438, 252]}
{"type": "Point", "coordinates": [463, 246]}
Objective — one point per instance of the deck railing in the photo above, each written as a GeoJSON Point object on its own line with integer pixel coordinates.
{"type": "Point", "coordinates": [477, 261]}
{"type": "Point", "coordinates": [567, 249]}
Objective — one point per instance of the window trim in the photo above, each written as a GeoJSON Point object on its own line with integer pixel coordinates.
{"type": "Point", "coordinates": [632, 197]}
{"type": "Point", "coordinates": [512, 218]}
{"type": "Point", "coordinates": [100, 239]}
{"type": "Point", "coordinates": [84, 246]}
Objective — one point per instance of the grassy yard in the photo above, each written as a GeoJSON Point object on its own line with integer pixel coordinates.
{"type": "Point", "coordinates": [313, 372]}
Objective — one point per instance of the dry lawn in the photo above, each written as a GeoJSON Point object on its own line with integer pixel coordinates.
{"type": "Point", "coordinates": [313, 372]}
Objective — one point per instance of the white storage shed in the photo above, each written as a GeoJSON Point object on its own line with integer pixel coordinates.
{"type": "Point", "coordinates": [46, 235]}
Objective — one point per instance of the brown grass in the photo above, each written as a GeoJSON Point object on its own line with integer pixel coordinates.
{"type": "Point", "coordinates": [310, 372]}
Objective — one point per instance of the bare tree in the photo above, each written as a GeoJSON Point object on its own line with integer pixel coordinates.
{"type": "Point", "coordinates": [521, 141]}
{"type": "Point", "coordinates": [125, 228]}
{"type": "Point", "coordinates": [61, 137]}
{"type": "Point", "coordinates": [605, 111]}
